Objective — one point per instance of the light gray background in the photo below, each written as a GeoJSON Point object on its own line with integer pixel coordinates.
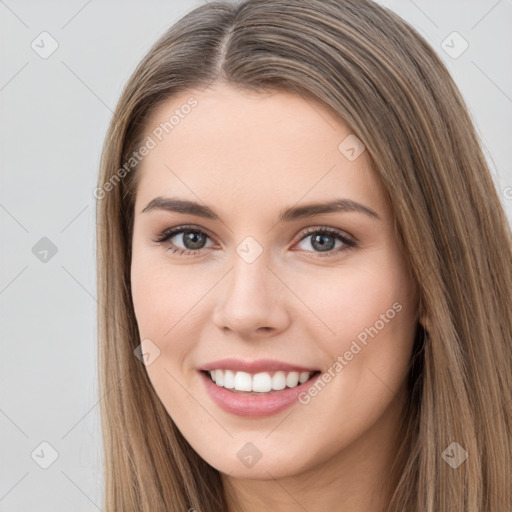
{"type": "Point", "coordinates": [54, 114]}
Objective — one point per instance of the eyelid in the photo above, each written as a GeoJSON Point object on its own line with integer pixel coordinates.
{"type": "Point", "coordinates": [176, 230]}
{"type": "Point", "coordinates": [327, 229]}
{"type": "Point", "coordinates": [303, 233]}
{"type": "Point", "coordinates": [347, 239]}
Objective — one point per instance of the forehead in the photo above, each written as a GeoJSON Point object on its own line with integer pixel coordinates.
{"type": "Point", "coordinates": [275, 145]}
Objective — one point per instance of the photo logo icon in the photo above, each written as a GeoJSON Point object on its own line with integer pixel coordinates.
{"type": "Point", "coordinates": [44, 455]}
{"type": "Point", "coordinates": [147, 352]}
{"type": "Point", "coordinates": [44, 45]}
{"type": "Point", "coordinates": [454, 45]}
{"type": "Point", "coordinates": [249, 455]}
{"type": "Point", "coordinates": [44, 250]}
{"type": "Point", "coordinates": [454, 455]}
{"type": "Point", "coordinates": [351, 147]}
{"type": "Point", "coordinates": [249, 249]}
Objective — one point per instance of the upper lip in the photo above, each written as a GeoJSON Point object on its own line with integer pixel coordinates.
{"type": "Point", "coordinates": [259, 365]}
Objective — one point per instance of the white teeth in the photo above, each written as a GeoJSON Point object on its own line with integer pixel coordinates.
{"type": "Point", "coordinates": [292, 379]}
{"type": "Point", "coordinates": [262, 382]}
{"type": "Point", "coordinates": [229, 379]}
{"type": "Point", "coordinates": [243, 381]}
{"type": "Point", "coordinates": [279, 381]}
{"type": "Point", "coordinates": [304, 376]}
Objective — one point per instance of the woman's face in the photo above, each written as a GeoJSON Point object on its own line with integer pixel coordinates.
{"type": "Point", "coordinates": [254, 285]}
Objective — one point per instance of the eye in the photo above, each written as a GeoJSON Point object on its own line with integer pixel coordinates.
{"type": "Point", "coordinates": [194, 240]}
{"type": "Point", "coordinates": [324, 240]}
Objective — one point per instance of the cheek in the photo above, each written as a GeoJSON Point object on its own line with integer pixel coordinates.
{"type": "Point", "coordinates": [163, 300]}
{"type": "Point", "coordinates": [168, 301]}
{"type": "Point", "coordinates": [346, 301]}
{"type": "Point", "coordinates": [164, 293]}
{"type": "Point", "coordinates": [365, 320]}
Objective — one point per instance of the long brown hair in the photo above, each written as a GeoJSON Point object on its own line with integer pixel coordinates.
{"type": "Point", "coordinates": [381, 77]}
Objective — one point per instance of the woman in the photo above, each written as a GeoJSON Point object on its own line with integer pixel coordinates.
{"type": "Point", "coordinates": [304, 273]}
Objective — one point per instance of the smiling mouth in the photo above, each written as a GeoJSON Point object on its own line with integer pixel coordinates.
{"type": "Point", "coordinates": [258, 383]}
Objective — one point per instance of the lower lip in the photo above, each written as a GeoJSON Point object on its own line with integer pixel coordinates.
{"type": "Point", "coordinates": [254, 406]}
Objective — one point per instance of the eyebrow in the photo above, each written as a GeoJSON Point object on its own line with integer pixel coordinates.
{"type": "Point", "coordinates": [289, 214]}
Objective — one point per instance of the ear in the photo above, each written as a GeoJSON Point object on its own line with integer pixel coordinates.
{"type": "Point", "coordinates": [424, 320]}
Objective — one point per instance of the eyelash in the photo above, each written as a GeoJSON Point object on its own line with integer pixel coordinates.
{"type": "Point", "coordinates": [172, 232]}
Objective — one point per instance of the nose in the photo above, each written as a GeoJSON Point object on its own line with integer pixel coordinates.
{"type": "Point", "coordinates": [252, 300]}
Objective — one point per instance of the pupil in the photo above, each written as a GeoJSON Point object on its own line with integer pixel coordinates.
{"type": "Point", "coordinates": [323, 245]}
{"type": "Point", "coordinates": [193, 238]}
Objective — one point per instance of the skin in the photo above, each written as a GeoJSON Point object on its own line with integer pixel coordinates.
{"type": "Point", "coordinates": [248, 156]}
